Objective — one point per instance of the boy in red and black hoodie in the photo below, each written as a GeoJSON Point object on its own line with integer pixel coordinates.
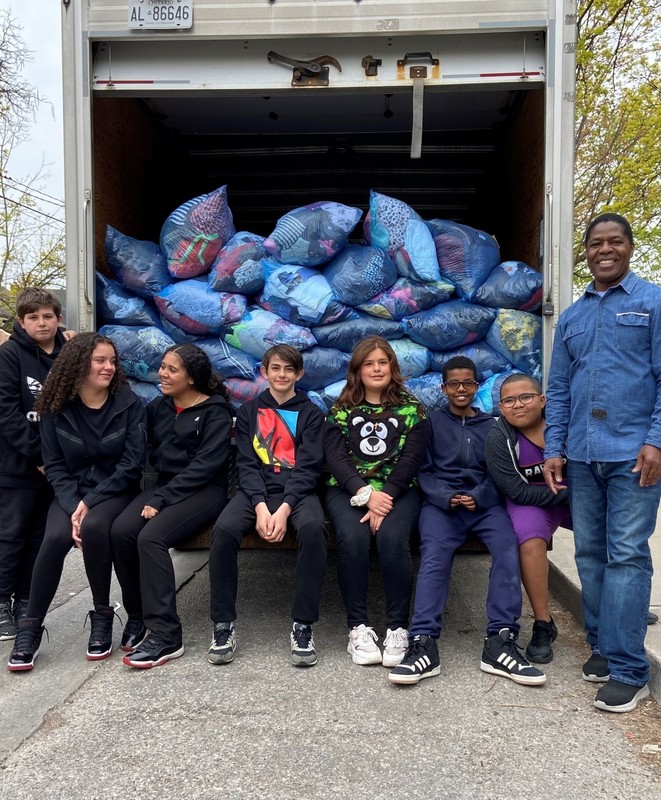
{"type": "Point", "coordinates": [280, 452]}
{"type": "Point", "coordinates": [25, 496]}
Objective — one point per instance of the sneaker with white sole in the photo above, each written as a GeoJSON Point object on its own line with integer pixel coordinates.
{"type": "Point", "coordinates": [420, 661]}
{"type": "Point", "coordinates": [394, 646]}
{"type": "Point", "coordinates": [153, 652]}
{"type": "Point", "coordinates": [362, 646]}
{"type": "Point", "coordinates": [223, 643]}
{"type": "Point", "coordinates": [595, 669]}
{"type": "Point", "coordinates": [620, 697]}
{"type": "Point", "coordinates": [26, 644]}
{"type": "Point", "coordinates": [301, 640]}
{"type": "Point", "coordinates": [7, 622]}
{"type": "Point", "coordinates": [502, 656]}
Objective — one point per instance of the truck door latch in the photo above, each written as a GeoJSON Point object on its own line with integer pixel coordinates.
{"type": "Point", "coordinates": [371, 66]}
{"type": "Point", "coordinates": [307, 73]}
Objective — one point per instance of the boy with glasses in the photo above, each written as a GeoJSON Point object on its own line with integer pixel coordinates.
{"type": "Point", "coordinates": [515, 458]}
{"type": "Point", "coordinates": [459, 496]}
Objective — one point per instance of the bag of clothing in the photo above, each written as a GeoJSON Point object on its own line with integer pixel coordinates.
{"type": "Point", "coordinates": [330, 394]}
{"type": "Point", "coordinates": [197, 309]}
{"type": "Point", "coordinates": [141, 267]}
{"type": "Point", "coordinates": [449, 325]}
{"type": "Point", "coordinates": [313, 234]}
{"type": "Point", "coordinates": [238, 266]}
{"type": "Point", "coordinates": [140, 349]}
{"type": "Point", "coordinates": [194, 233]}
{"type": "Point", "coordinates": [413, 358]}
{"type": "Point", "coordinates": [517, 336]}
{"type": "Point", "coordinates": [512, 284]}
{"type": "Point", "coordinates": [466, 255]}
{"type": "Point", "coordinates": [297, 294]}
{"type": "Point", "coordinates": [487, 398]}
{"type": "Point", "coordinates": [241, 390]}
{"type": "Point", "coordinates": [406, 297]}
{"type": "Point", "coordinates": [397, 228]}
{"type": "Point", "coordinates": [145, 391]}
{"type": "Point", "coordinates": [323, 365]}
{"type": "Point", "coordinates": [427, 388]}
{"type": "Point", "coordinates": [180, 336]}
{"type": "Point", "coordinates": [228, 361]}
{"type": "Point", "coordinates": [116, 306]}
{"type": "Point", "coordinates": [344, 335]}
{"type": "Point", "coordinates": [258, 330]}
{"type": "Point", "coordinates": [359, 272]}
{"type": "Point", "coordinates": [487, 361]}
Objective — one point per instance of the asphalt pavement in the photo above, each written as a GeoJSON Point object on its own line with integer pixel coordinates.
{"type": "Point", "coordinates": [261, 728]}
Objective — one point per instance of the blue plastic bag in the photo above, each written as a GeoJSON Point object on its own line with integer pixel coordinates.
{"type": "Point", "coordinates": [297, 294]}
{"type": "Point", "coordinates": [238, 267]}
{"type": "Point", "coordinates": [487, 361]}
{"type": "Point", "coordinates": [180, 336]}
{"type": "Point", "coordinates": [312, 234]}
{"type": "Point", "coordinates": [330, 394]}
{"type": "Point", "coordinates": [427, 388]}
{"type": "Point", "coordinates": [241, 390]}
{"type": "Point", "coordinates": [323, 366]}
{"type": "Point", "coordinates": [466, 255]}
{"type": "Point", "coordinates": [228, 361]}
{"type": "Point", "coordinates": [145, 391]}
{"type": "Point", "coordinates": [449, 325]}
{"type": "Point", "coordinates": [517, 336]}
{"type": "Point", "coordinates": [193, 234]}
{"type": "Point", "coordinates": [140, 349]}
{"type": "Point", "coordinates": [512, 284]}
{"type": "Point", "coordinates": [397, 228]}
{"type": "Point", "coordinates": [197, 309]}
{"type": "Point", "coordinates": [406, 297]}
{"type": "Point", "coordinates": [413, 358]}
{"type": "Point", "coordinates": [345, 334]}
{"type": "Point", "coordinates": [117, 306]}
{"type": "Point", "coordinates": [487, 398]}
{"type": "Point", "coordinates": [141, 267]}
{"type": "Point", "coordinates": [359, 272]}
{"type": "Point", "coordinates": [258, 330]}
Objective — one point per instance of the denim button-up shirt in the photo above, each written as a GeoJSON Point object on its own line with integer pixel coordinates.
{"type": "Point", "coordinates": [604, 393]}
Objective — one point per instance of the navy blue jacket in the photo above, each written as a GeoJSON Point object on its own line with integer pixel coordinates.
{"type": "Point", "coordinates": [118, 467]}
{"type": "Point", "coordinates": [455, 461]}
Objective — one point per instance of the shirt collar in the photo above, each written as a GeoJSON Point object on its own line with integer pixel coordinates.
{"type": "Point", "coordinates": [627, 283]}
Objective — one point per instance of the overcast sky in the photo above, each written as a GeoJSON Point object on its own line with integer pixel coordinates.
{"type": "Point", "coordinates": [40, 20]}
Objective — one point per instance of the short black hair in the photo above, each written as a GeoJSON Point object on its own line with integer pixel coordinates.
{"type": "Point", "coordinates": [610, 217]}
{"type": "Point", "coordinates": [521, 376]}
{"type": "Point", "coordinates": [459, 362]}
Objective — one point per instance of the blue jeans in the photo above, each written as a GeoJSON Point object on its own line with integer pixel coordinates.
{"type": "Point", "coordinates": [614, 518]}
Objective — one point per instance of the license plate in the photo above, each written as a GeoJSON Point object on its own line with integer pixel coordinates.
{"type": "Point", "coordinates": [162, 14]}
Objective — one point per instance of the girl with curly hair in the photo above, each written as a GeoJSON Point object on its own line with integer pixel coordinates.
{"type": "Point", "coordinates": [374, 443]}
{"type": "Point", "coordinates": [93, 446]}
{"type": "Point", "coordinates": [189, 431]}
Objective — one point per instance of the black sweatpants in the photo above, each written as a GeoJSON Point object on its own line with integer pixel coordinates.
{"type": "Point", "coordinates": [142, 561]}
{"type": "Point", "coordinates": [22, 525]}
{"type": "Point", "coordinates": [236, 521]}
{"type": "Point", "coordinates": [95, 535]}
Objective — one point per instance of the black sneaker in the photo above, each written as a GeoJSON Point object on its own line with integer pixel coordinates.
{"type": "Point", "coordinates": [26, 644]}
{"type": "Point", "coordinates": [595, 669]}
{"type": "Point", "coordinates": [420, 661]}
{"type": "Point", "coordinates": [502, 656]}
{"type": "Point", "coordinates": [100, 643]}
{"type": "Point", "coordinates": [301, 639]}
{"type": "Point", "coordinates": [652, 618]}
{"type": "Point", "coordinates": [223, 643]}
{"type": "Point", "coordinates": [7, 622]}
{"type": "Point", "coordinates": [619, 697]}
{"type": "Point", "coordinates": [133, 634]}
{"type": "Point", "coordinates": [153, 652]}
{"type": "Point", "coordinates": [20, 610]}
{"type": "Point", "coordinates": [543, 635]}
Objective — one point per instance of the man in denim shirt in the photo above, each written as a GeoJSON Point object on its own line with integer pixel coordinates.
{"type": "Point", "coordinates": [604, 415]}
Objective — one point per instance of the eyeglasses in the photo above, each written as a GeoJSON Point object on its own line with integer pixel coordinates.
{"type": "Point", "coordinates": [525, 399]}
{"type": "Point", "coordinates": [456, 384]}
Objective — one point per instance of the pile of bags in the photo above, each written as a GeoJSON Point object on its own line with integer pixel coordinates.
{"type": "Point", "coordinates": [434, 289]}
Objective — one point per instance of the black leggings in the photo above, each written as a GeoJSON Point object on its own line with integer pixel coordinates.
{"type": "Point", "coordinates": [142, 561]}
{"type": "Point", "coordinates": [57, 542]}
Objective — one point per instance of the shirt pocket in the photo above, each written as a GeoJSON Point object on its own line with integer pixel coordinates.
{"type": "Point", "coordinates": [575, 339]}
{"type": "Point", "coordinates": [632, 330]}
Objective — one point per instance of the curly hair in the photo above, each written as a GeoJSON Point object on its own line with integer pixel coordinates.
{"type": "Point", "coordinates": [197, 365]}
{"type": "Point", "coordinates": [70, 370]}
{"type": "Point", "coordinates": [353, 393]}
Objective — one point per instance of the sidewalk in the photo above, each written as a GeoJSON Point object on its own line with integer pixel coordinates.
{"type": "Point", "coordinates": [566, 587]}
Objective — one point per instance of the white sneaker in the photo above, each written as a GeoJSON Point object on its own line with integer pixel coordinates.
{"type": "Point", "coordinates": [362, 647]}
{"type": "Point", "coordinates": [394, 646]}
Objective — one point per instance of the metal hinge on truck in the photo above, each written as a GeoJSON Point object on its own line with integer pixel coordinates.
{"type": "Point", "coordinates": [314, 72]}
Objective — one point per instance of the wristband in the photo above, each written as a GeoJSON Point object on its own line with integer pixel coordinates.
{"type": "Point", "coordinates": [362, 497]}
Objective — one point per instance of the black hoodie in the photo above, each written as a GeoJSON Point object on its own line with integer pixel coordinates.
{"type": "Point", "coordinates": [280, 448]}
{"type": "Point", "coordinates": [189, 449]}
{"type": "Point", "coordinates": [23, 370]}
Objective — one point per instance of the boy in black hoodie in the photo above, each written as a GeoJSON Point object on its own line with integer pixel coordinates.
{"type": "Point", "coordinates": [279, 444]}
{"type": "Point", "coordinates": [459, 497]}
{"type": "Point", "coordinates": [25, 496]}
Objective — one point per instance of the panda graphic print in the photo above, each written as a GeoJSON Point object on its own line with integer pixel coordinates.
{"type": "Point", "coordinates": [373, 438]}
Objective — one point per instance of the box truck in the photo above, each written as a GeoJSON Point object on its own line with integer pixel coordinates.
{"type": "Point", "coordinates": [464, 109]}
